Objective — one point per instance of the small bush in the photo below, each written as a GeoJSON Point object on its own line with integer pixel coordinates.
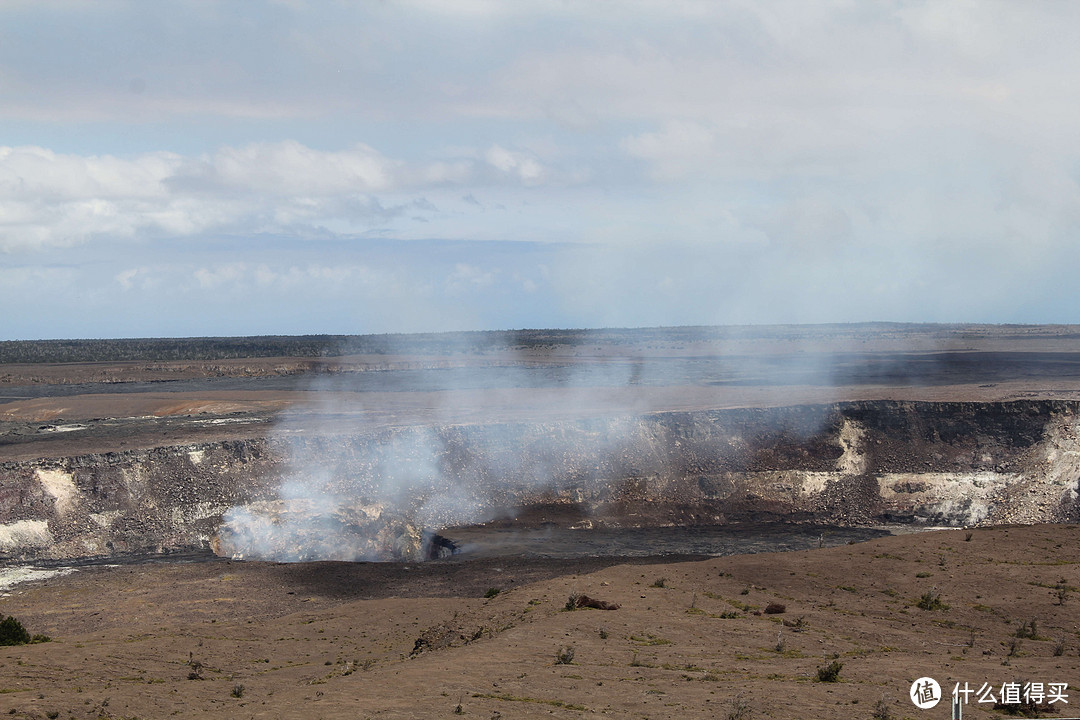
{"type": "Point", "coordinates": [659, 582]}
{"type": "Point", "coordinates": [739, 709]}
{"type": "Point", "coordinates": [238, 691]}
{"type": "Point", "coordinates": [881, 710]}
{"type": "Point", "coordinates": [492, 592]}
{"type": "Point", "coordinates": [571, 602]}
{"type": "Point", "coordinates": [931, 600]}
{"type": "Point", "coordinates": [1059, 649]}
{"type": "Point", "coordinates": [775, 608]}
{"type": "Point", "coordinates": [603, 634]}
{"type": "Point", "coordinates": [830, 672]}
{"type": "Point", "coordinates": [12, 632]}
{"type": "Point", "coordinates": [1028, 630]}
{"type": "Point", "coordinates": [564, 655]}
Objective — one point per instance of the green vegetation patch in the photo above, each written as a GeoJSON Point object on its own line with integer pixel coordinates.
{"type": "Point", "coordinates": [515, 698]}
{"type": "Point", "coordinates": [649, 640]}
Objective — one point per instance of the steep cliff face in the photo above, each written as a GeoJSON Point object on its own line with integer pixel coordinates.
{"type": "Point", "coordinates": [168, 498]}
{"type": "Point", "coordinates": [853, 463]}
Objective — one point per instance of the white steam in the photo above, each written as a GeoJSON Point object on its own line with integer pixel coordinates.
{"type": "Point", "coordinates": [379, 459]}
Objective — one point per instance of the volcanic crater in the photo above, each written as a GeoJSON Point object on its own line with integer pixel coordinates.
{"type": "Point", "coordinates": [524, 461]}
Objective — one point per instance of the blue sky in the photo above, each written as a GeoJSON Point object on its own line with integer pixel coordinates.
{"type": "Point", "coordinates": [292, 167]}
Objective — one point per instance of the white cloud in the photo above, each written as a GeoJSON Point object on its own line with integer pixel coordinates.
{"type": "Point", "coordinates": [469, 277]}
{"type": "Point", "coordinates": [288, 168]}
{"type": "Point", "coordinates": [50, 199]}
{"type": "Point", "coordinates": [679, 148]}
{"type": "Point", "coordinates": [517, 164]}
{"type": "Point", "coordinates": [213, 277]}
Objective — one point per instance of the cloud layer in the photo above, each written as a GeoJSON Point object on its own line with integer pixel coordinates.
{"type": "Point", "coordinates": [420, 165]}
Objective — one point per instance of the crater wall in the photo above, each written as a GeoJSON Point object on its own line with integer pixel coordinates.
{"type": "Point", "coordinates": [856, 463]}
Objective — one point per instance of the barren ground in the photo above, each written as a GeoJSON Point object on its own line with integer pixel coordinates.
{"type": "Point", "coordinates": [337, 640]}
{"type": "Point", "coordinates": [72, 408]}
{"type": "Point", "coordinates": [326, 640]}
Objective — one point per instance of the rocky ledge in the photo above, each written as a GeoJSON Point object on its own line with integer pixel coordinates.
{"type": "Point", "coordinates": [860, 463]}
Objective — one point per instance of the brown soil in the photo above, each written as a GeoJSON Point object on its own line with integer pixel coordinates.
{"type": "Point", "coordinates": [331, 640]}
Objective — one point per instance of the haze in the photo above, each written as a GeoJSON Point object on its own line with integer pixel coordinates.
{"type": "Point", "coordinates": [239, 168]}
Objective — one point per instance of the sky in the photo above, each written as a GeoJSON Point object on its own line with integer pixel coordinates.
{"type": "Point", "coordinates": [207, 168]}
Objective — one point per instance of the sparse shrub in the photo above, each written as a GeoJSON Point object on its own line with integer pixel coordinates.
{"type": "Point", "coordinates": [659, 582]}
{"type": "Point", "coordinates": [968, 536]}
{"type": "Point", "coordinates": [571, 602]}
{"type": "Point", "coordinates": [797, 625]}
{"type": "Point", "coordinates": [881, 710]}
{"type": "Point", "coordinates": [931, 600]}
{"type": "Point", "coordinates": [196, 670]}
{"type": "Point", "coordinates": [830, 672]}
{"type": "Point", "coordinates": [745, 590]}
{"type": "Point", "coordinates": [238, 691]}
{"type": "Point", "coordinates": [564, 655]}
{"type": "Point", "coordinates": [492, 592]}
{"type": "Point", "coordinates": [12, 632]}
{"type": "Point", "coordinates": [39, 638]}
{"type": "Point", "coordinates": [1059, 649]}
{"type": "Point", "coordinates": [603, 634]}
{"type": "Point", "coordinates": [458, 710]}
{"type": "Point", "coordinates": [779, 647]}
{"type": "Point", "coordinates": [1062, 593]}
{"type": "Point", "coordinates": [739, 709]}
{"type": "Point", "coordinates": [1014, 647]}
{"type": "Point", "coordinates": [775, 608]}
{"type": "Point", "coordinates": [1028, 630]}
{"type": "Point", "coordinates": [52, 714]}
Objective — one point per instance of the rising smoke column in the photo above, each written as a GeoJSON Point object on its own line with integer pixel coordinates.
{"type": "Point", "coordinates": [357, 489]}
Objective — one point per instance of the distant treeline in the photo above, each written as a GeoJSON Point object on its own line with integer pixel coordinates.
{"type": "Point", "coordinates": [222, 348]}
